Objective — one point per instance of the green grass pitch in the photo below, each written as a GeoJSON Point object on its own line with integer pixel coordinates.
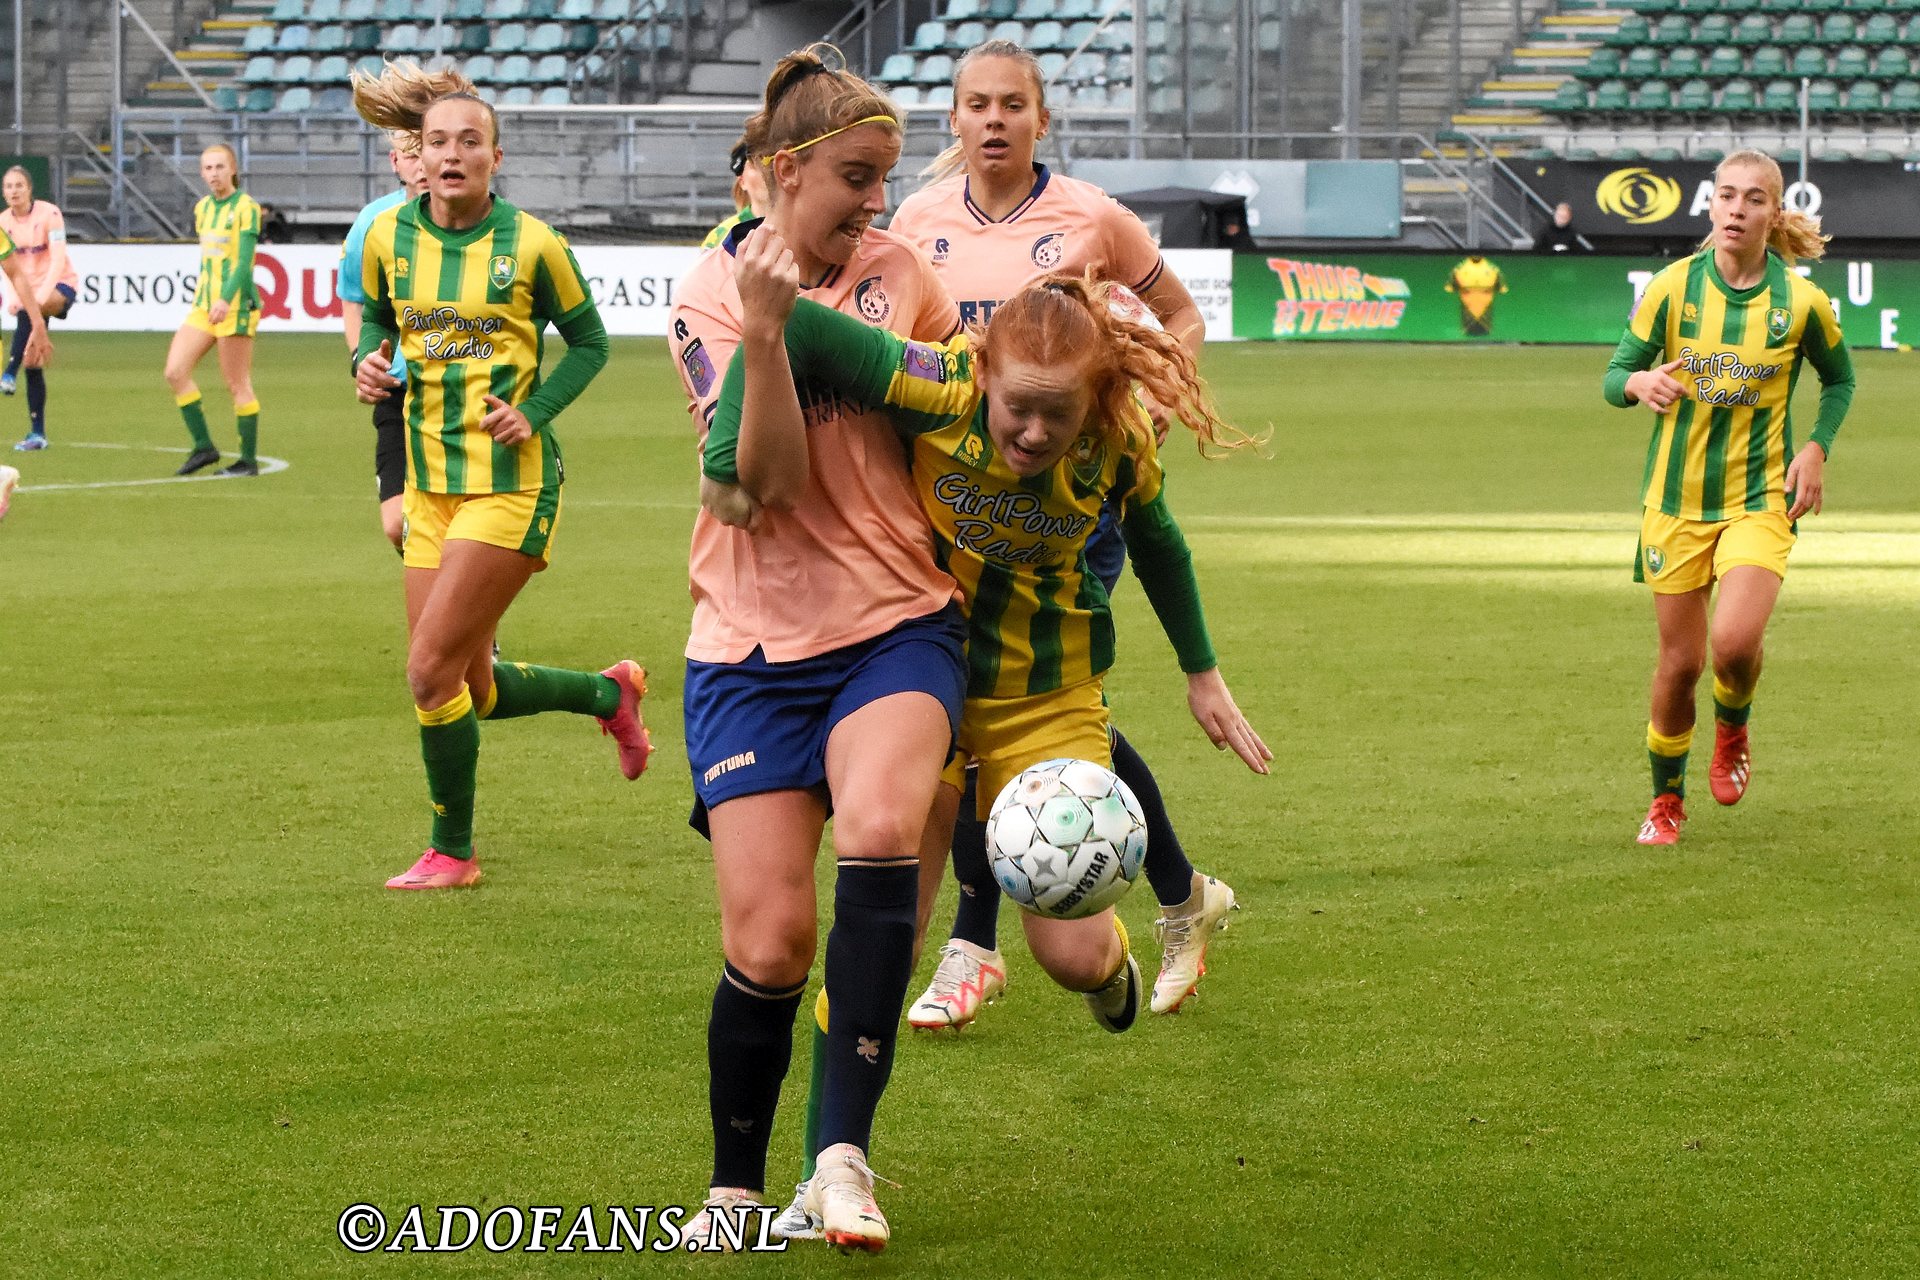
{"type": "Point", "coordinates": [1464, 1026]}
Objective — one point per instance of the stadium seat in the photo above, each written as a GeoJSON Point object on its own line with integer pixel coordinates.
{"type": "Point", "coordinates": [294, 37]}
{"type": "Point", "coordinates": [370, 65]}
{"type": "Point", "coordinates": [1822, 6]}
{"type": "Point", "coordinates": [1036, 10]}
{"type": "Point", "coordinates": [479, 68]}
{"type": "Point", "coordinates": [927, 37]}
{"type": "Point", "coordinates": [1076, 10]}
{"type": "Point", "coordinates": [1570, 98]}
{"type": "Point", "coordinates": [1672, 29]}
{"type": "Point", "coordinates": [1119, 68]}
{"type": "Point", "coordinates": [1752, 29]}
{"type": "Point", "coordinates": [1643, 62]}
{"type": "Point", "coordinates": [546, 38]}
{"type": "Point", "coordinates": [1738, 97]}
{"type": "Point", "coordinates": [1683, 63]}
{"type": "Point", "coordinates": [1809, 60]}
{"type": "Point", "coordinates": [576, 11]}
{"type": "Point", "coordinates": [611, 11]}
{"type": "Point", "coordinates": [511, 38]}
{"type": "Point", "coordinates": [289, 10]}
{"type": "Point", "coordinates": [906, 95]}
{"type": "Point", "coordinates": [939, 95]}
{"type": "Point", "coordinates": [505, 10]}
{"type": "Point", "coordinates": [1694, 96]}
{"type": "Point", "coordinates": [542, 10]}
{"type": "Point", "coordinates": [1780, 96]}
{"type": "Point", "coordinates": [897, 69]}
{"type": "Point", "coordinates": [1769, 60]}
{"type": "Point", "coordinates": [329, 39]}
{"type": "Point", "coordinates": [958, 10]}
{"type": "Point", "coordinates": [1798, 28]}
{"type": "Point", "coordinates": [1010, 29]}
{"type": "Point", "coordinates": [1652, 96]}
{"type": "Point", "coordinates": [467, 10]}
{"type": "Point", "coordinates": [515, 68]}
{"type": "Point", "coordinates": [1823, 97]}
{"type": "Point", "coordinates": [1713, 29]}
{"type": "Point", "coordinates": [404, 38]}
{"type": "Point", "coordinates": [1603, 63]}
{"type": "Point", "coordinates": [1053, 65]}
{"type": "Point", "coordinates": [1851, 62]}
{"type": "Point", "coordinates": [1839, 28]}
{"type": "Point", "coordinates": [554, 95]}
{"type": "Point", "coordinates": [1881, 28]}
{"type": "Point", "coordinates": [298, 98]}
{"type": "Point", "coordinates": [1892, 64]}
{"type": "Point", "coordinates": [1726, 61]}
{"type": "Point", "coordinates": [226, 98]}
{"type": "Point", "coordinates": [1610, 95]}
{"type": "Point", "coordinates": [361, 11]}
{"type": "Point", "coordinates": [1120, 97]}
{"type": "Point", "coordinates": [323, 11]}
{"type": "Point", "coordinates": [1633, 29]}
{"type": "Point", "coordinates": [1863, 97]}
{"type": "Point", "coordinates": [1664, 155]}
{"type": "Point", "coordinates": [258, 38]}
{"type": "Point", "coordinates": [935, 69]}
{"type": "Point", "coordinates": [1905, 97]}
{"type": "Point", "coordinates": [967, 35]}
{"type": "Point", "coordinates": [582, 38]}
{"type": "Point", "coordinates": [365, 38]}
{"type": "Point", "coordinates": [295, 70]}
{"type": "Point", "coordinates": [258, 100]}
{"type": "Point", "coordinates": [331, 70]}
{"type": "Point", "coordinates": [519, 96]}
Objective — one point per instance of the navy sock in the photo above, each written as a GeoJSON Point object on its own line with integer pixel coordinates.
{"type": "Point", "coordinates": [978, 918]}
{"type": "Point", "coordinates": [869, 963]}
{"type": "Point", "coordinates": [749, 1043]}
{"type": "Point", "coordinates": [18, 351]}
{"type": "Point", "coordinates": [37, 401]}
{"type": "Point", "coordinates": [1168, 870]}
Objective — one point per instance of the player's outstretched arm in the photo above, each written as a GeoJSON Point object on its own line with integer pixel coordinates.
{"type": "Point", "coordinates": [1226, 726]}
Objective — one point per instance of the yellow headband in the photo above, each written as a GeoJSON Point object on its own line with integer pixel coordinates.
{"type": "Point", "coordinates": [799, 147]}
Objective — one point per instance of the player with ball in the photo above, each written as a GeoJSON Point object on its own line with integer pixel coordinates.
{"type": "Point", "coordinates": [1019, 433]}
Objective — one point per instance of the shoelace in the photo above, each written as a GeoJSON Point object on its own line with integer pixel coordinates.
{"type": "Point", "coordinates": [1174, 932]}
{"type": "Point", "coordinates": [947, 980]}
{"type": "Point", "coordinates": [856, 1163]}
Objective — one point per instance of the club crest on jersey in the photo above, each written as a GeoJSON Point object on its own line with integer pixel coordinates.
{"type": "Point", "coordinates": [1779, 320]}
{"type": "Point", "coordinates": [924, 363]}
{"type": "Point", "coordinates": [1689, 312]}
{"type": "Point", "coordinates": [500, 271]}
{"type": "Point", "coordinates": [1656, 561]}
{"type": "Point", "coordinates": [400, 268]}
{"type": "Point", "coordinates": [1086, 457]}
{"type": "Point", "coordinates": [699, 368]}
{"type": "Point", "coordinates": [871, 298]}
{"type": "Point", "coordinates": [941, 249]}
{"type": "Point", "coordinates": [1048, 250]}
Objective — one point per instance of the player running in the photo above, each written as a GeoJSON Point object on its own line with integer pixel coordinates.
{"type": "Point", "coordinates": [226, 311]}
{"type": "Point", "coordinates": [825, 659]}
{"type": "Point", "coordinates": [996, 221]}
{"type": "Point", "coordinates": [1713, 348]}
{"type": "Point", "coordinates": [39, 234]}
{"type": "Point", "coordinates": [466, 283]}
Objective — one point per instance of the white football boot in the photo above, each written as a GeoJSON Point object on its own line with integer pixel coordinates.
{"type": "Point", "coordinates": [794, 1222]}
{"type": "Point", "coordinates": [701, 1233]}
{"type": "Point", "coordinates": [1184, 932]}
{"type": "Point", "coordinates": [969, 976]}
{"type": "Point", "coordinates": [840, 1195]}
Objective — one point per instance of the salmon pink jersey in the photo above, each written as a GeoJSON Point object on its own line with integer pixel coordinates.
{"type": "Point", "coordinates": [854, 558]}
{"type": "Point", "coordinates": [1063, 225]}
{"type": "Point", "coordinates": [41, 239]}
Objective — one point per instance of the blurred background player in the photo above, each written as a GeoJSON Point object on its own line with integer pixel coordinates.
{"type": "Point", "coordinates": [1721, 494]}
{"type": "Point", "coordinates": [39, 235]}
{"type": "Point", "coordinates": [226, 310]}
{"type": "Point", "coordinates": [389, 414]}
{"type": "Point", "coordinates": [749, 185]}
{"type": "Point", "coordinates": [995, 220]}
{"type": "Point", "coordinates": [468, 283]}
{"type": "Point", "coordinates": [824, 665]}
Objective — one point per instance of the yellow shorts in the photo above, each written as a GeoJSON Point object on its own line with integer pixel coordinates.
{"type": "Point", "coordinates": [240, 322]}
{"type": "Point", "coordinates": [1678, 555]}
{"type": "Point", "coordinates": [522, 522]}
{"type": "Point", "coordinates": [1005, 735]}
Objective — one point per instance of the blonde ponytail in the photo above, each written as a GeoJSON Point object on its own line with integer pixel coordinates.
{"type": "Point", "coordinates": [397, 99]}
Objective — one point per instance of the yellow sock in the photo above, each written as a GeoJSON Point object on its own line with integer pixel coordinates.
{"type": "Point", "coordinates": [461, 703]}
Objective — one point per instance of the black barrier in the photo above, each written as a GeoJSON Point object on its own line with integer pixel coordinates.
{"type": "Point", "coordinates": [1656, 200]}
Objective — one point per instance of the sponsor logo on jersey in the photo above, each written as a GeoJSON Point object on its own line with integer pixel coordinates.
{"type": "Point", "coordinates": [1639, 195]}
{"type": "Point", "coordinates": [400, 266]}
{"type": "Point", "coordinates": [1656, 560]}
{"type": "Point", "coordinates": [1779, 320]}
{"type": "Point", "coordinates": [941, 249]}
{"type": "Point", "coordinates": [500, 270]}
{"type": "Point", "coordinates": [699, 367]}
{"type": "Point", "coordinates": [871, 297]}
{"type": "Point", "coordinates": [924, 363]}
{"type": "Point", "coordinates": [1048, 250]}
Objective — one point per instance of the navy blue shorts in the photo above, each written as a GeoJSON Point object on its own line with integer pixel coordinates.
{"type": "Point", "coordinates": [1106, 549]}
{"type": "Point", "coordinates": [755, 726]}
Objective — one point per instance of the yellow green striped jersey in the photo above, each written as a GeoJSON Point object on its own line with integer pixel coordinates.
{"type": "Point", "coordinates": [6, 246]}
{"type": "Point", "coordinates": [1037, 618]}
{"type": "Point", "coordinates": [471, 310]}
{"type": "Point", "coordinates": [1723, 448]}
{"type": "Point", "coordinates": [228, 230]}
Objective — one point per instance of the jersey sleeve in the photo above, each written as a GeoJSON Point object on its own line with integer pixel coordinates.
{"type": "Point", "coordinates": [923, 386]}
{"type": "Point", "coordinates": [349, 286]}
{"type": "Point", "coordinates": [6, 246]}
{"type": "Point", "coordinates": [377, 320]}
{"type": "Point", "coordinates": [1826, 350]}
{"type": "Point", "coordinates": [560, 289]}
{"type": "Point", "coordinates": [561, 296]}
{"type": "Point", "coordinates": [1158, 552]}
{"type": "Point", "coordinates": [1133, 259]}
{"type": "Point", "coordinates": [59, 263]}
{"type": "Point", "coordinates": [246, 231]}
{"type": "Point", "coordinates": [1641, 344]}
{"type": "Point", "coordinates": [703, 338]}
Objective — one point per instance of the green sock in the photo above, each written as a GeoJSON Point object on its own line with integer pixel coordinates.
{"type": "Point", "coordinates": [1668, 752]}
{"type": "Point", "coordinates": [1730, 707]}
{"type": "Point", "coordinates": [525, 690]}
{"type": "Point", "coordinates": [450, 744]}
{"type": "Point", "coordinates": [196, 420]}
{"type": "Point", "coordinates": [247, 418]}
{"type": "Point", "coordinates": [816, 1087]}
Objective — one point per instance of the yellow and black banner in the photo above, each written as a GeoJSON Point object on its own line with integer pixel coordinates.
{"type": "Point", "coordinates": [1649, 199]}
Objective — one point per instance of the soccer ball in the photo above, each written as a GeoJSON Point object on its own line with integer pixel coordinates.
{"type": "Point", "coordinates": [1066, 839]}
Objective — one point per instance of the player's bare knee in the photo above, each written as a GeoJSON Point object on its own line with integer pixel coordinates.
{"type": "Point", "coordinates": [879, 834]}
{"type": "Point", "coordinates": [433, 678]}
{"type": "Point", "coordinates": [777, 955]}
